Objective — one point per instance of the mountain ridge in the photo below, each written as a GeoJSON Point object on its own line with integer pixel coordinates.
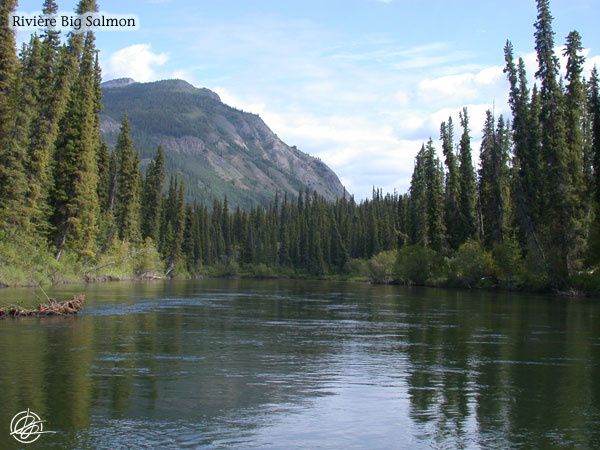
{"type": "Point", "coordinates": [217, 149]}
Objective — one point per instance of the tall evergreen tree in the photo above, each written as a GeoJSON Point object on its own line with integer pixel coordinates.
{"type": "Point", "coordinates": [175, 218]}
{"type": "Point", "coordinates": [468, 200]}
{"type": "Point", "coordinates": [452, 191]}
{"type": "Point", "coordinates": [594, 106]}
{"type": "Point", "coordinates": [104, 177]}
{"type": "Point", "coordinates": [594, 115]}
{"type": "Point", "coordinates": [128, 187]}
{"type": "Point", "coordinates": [74, 195]}
{"type": "Point", "coordinates": [563, 229]}
{"type": "Point", "coordinates": [54, 81]}
{"type": "Point", "coordinates": [434, 176]}
{"type": "Point", "coordinates": [526, 179]}
{"type": "Point", "coordinates": [152, 195]}
{"type": "Point", "coordinates": [417, 206]}
{"type": "Point", "coordinates": [493, 182]}
{"type": "Point", "coordinates": [13, 157]}
{"type": "Point", "coordinates": [575, 115]}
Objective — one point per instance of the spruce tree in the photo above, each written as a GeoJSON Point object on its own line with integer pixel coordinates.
{"type": "Point", "coordinates": [434, 199]}
{"type": "Point", "coordinates": [502, 170]}
{"type": "Point", "coordinates": [563, 228]}
{"type": "Point", "coordinates": [575, 105]}
{"type": "Point", "coordinates": [493, 182]}
{"type": "Point", "coordinates": [13, 120]}
{"type": "Point", "coordinates": [56, 71]}
{"type": "Point", "coordinates": [526, 179]}
{"type": "Point", "coordinates": [128, 187]}
{"type": "Point", "coordinates": [452, 190]}
{"type": "Point", "coordinates": [594, 107]}
{"type": "Point", "coordinates": [152, 195]}
{"type": "Point", "coordinates": [575, 115]}
{"type": "Point", "coordinates": [103, 163]}
{"type": "Point", "coordinates": [468, 200]}
{"type": "Point", "coordinates": [75, 197]}
{"type": "Point", "coordinates": [417, 206]}
{"type": "Point", "coordinates": [486, 180]}
{"type": "Point", "coordinates": [175, 217]}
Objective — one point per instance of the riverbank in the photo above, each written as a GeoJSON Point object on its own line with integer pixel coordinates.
{"type": "Point", "coordinates": [581, 289]}
{"type": "Point", "coordinates": [471, 267]}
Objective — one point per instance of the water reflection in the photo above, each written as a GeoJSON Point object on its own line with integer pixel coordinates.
{"type": "Point", "coordinates": [302, 364]}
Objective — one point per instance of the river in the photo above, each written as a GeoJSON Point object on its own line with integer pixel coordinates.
{"type": "Point", "coordinates": [299, 364]}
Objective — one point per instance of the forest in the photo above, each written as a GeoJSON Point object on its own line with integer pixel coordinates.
{"type": "Point", "coordinates": [525, 216]}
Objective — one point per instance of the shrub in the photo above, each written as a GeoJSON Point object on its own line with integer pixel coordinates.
{"type": "Point", "coordinates": [225, 269]}
{"type": "Point", "coordinates": [357, 268]}
{"type": "Point", "coordinates": [535, 272]}
{"type": "Point", "coordinates": [27, 261]}
{"type": "Point", "coordinates": [508, 264]}
{"type": "Point", "coordinates": [418, 265]}
{"type": "Point", "coordinates": [587, 282]}
{"type": "Point", "coordinates": [472, 265]}
{"type": "Point", "coordinates": [123, 260]}
{"type": "Point", "coordinates": [261, 271]}
{"type": "Point", "coordinates": [114, 263]}
{"type": "Point", "coordinates": [147, 259]}
{"type": "Point", "coordinates": [381, 267]}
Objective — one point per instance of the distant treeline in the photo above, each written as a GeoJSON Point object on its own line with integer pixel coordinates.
{"type": "Point", "coordinates": [529, 216]}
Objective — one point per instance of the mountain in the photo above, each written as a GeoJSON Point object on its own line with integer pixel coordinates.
{"type": "Point", "coordinates": [216, 149]}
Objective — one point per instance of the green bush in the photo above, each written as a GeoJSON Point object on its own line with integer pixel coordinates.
{"type": "Point", "coordinates": [381, 267]}
{"type": "Point", "coordinates": [357, 268]}
{"type": "Point", "coordinates": [261, 271]}
{"type": "Point", "coordinates": [27, 261]}
{"type": "Point", "coordinates": [587, 282]}
{"type": "Point", "coordinates": [115, 263]}
{"type": "Point", "coordinates": [535, 272]}
{"type": "Point", "coordinates": [419, 265]}
{"type": "Point", "coordinates": [123, 260]}
{"type": "Point", "coordinates": [472, 266]}
{"type": "Point", "coordinates": [508, 264]}
{"type": "Point", "coordinates": [147, 259]}
{"type": "Point", "coordinates": [226, 269]}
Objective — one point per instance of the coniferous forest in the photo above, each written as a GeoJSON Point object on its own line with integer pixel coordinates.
{"type": "Point", "coordinates": [525, 216]}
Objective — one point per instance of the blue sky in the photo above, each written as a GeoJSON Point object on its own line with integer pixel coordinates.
{"type": "Point", "coordinates": [359, 83]}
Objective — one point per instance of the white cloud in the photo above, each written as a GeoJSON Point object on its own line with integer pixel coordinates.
{"type": "Point", "coordinates": [354, 116]}
{"type": "Point", "coordinates": [183, 74]}
{"type": "Point", "coordinates": [227, 97]}
{"type": "Point", "coordinates": [360, 103]}
{"type": "Point", "coordinates": [402, 97]}
{"type": "Point", "coordinates": [464, 86]}
{"type": "Point", "coordinates": [136, 61]}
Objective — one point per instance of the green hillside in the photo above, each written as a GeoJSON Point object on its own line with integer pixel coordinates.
{"type": "Point", "coordinates": [217, 150]}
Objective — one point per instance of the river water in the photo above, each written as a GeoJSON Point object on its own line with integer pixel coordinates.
{"type": "Point", "coordinates": [297, 364]}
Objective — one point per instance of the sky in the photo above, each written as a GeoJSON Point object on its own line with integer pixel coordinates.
{"type": "Point", "coordinates": [361, 84]}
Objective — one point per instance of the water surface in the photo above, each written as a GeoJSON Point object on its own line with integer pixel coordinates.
{"type": "Point", "coordinates": [296, 364]}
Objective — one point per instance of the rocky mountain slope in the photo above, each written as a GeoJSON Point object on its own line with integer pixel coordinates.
{"type": "Point", "coordinates": [216, 149]}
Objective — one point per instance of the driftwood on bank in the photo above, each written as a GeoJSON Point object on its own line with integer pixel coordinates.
{"type": "Point", "coordinates": [52, 308]}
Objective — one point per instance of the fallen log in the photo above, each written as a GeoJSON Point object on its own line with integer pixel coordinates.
{"type": "Point", "coordinates": [52, 308]}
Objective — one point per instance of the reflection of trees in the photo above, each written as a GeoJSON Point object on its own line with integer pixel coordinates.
{"type": "Point", "coordinates": [509, 368]}
{"type": "Point", "coordinates": [170, 357]}
{"type": "Point", "coordinates": [480, 369]}
{"type": "Point", "coordinates": [45, 366]}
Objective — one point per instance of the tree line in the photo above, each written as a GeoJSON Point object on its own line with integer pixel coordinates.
{"type": "Point", "coordinates": [532, 201]}
{"type": "Point", "coordinates": [63, 189]}
{"type": "Point", "coordinates": [538, 183]}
